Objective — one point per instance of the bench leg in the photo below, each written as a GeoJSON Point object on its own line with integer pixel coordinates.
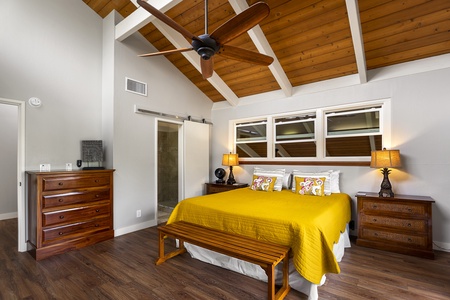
{"type": "Point", "coordinates": [285, 288]}
{"type": "Point", "coordinates": [162, 257]}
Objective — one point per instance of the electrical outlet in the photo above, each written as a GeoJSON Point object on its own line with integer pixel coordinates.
{"type": "Point", "coordinates": [68, 166]}
{"type": "Point", "coordinates": [44, 167]}
{"type": "Point", "coordinates": [138, 213]}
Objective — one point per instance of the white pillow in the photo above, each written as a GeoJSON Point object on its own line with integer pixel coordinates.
{"type": "Point", "coordinates": [334, 179]}
{"type": "Point", "coordinates": [326, 174]}
{"type": "Point", "coordinates": [278, 173]}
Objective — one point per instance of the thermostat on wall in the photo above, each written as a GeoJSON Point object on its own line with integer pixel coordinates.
{"type": "Point", "coordinates": [35, 102]}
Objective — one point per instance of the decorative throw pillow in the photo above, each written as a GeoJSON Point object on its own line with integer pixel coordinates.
{"type": "Point", "coordinates": [310, 186]}
{"type": "Point", "coordinates": [263, 183]}
{"type": "Point", "coordinates": [324, 174]}
{"type": "Point", "coordinates": [279, 174]}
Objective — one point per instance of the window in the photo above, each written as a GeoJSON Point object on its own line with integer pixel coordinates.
{"type": "Point", "coordinates": [353, 132]}
{"type": "Point", "coordinates": [342, 133]}
{"type": "Point", "coordinates": [295, 136]}
{"type": "Point", "coordinates": [251, 139]}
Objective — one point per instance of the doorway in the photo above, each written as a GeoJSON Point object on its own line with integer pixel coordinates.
{"type": "Point", "coordinates": [18, 108]}
{"type": "Point", "coordinates": [169, 170]}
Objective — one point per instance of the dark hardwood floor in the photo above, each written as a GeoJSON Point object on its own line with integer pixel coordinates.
{"type": "Point", "coordinates": [123, 268]}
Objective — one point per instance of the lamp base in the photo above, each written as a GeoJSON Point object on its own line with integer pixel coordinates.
{"type": "Point", "coordinates": [386, 187]}
{"type": "Point", "coordinates": [231, 179]}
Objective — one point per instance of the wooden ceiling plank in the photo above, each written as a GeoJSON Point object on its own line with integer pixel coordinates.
{"type": "Point", "coordinates": [357, 38]}
{"type": "Point", "coordinates": [263, 46]}
{"type": "Point", "coordinates": [141, 17]}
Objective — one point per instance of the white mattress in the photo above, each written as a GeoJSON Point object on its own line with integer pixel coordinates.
{"type": "Point", "coordinates": [296, 281]}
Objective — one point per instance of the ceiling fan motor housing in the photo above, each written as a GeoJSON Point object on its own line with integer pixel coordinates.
{"type": "Point", "coordinates": [206, 46]}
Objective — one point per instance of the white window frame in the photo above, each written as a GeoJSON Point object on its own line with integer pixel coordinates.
{"type": "Point", "coordinates": [320, 131]}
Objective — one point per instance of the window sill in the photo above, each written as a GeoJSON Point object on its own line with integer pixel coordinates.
{"type": "Point", "coordinates": [306, 163]}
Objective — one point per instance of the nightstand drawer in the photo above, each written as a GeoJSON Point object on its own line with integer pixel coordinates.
{"type": "Point", "coordinates": [409, 240]}
{"type": "Point", "coordinates": [212, 188]}
{"type": "Point", "coordinates": [408, 224]}
{"type": "Point", "coordinates": [406, 208]}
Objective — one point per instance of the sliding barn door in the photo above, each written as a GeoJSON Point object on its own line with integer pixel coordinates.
{"type": "Point", "coordinates": [196, 157]}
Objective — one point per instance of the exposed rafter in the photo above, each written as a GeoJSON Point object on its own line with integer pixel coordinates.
{"type": "Point", "coordinates": [263, 46]}
{"type": "Point", "coordinates": [358, 44]}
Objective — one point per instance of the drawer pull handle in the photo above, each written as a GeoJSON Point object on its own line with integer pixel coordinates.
{"type": "Point", "coordinates": [97, 210]}
{"type": "Point", "coordinates": [61, 217]}
{"type": "Point", "coordinates": [60, 183]}
{"type": "Point", "coordinates": [96, 196]}
{"type": "Point", "coordinates": [375, 234]}
{"type": "Point", "coordinates": [96, 180]}
{"type": "Point", "coordinates": [409, 225]}
{"type": "Point", "coordinates": [409, 240]}
{"type": "Point", "coordinates": [374, 206]}
{"type": "Point", "coordinates": [374, 220]}
{"type": "Point", "coordinates": [96, 225]}
{"type": "Point", "coordinates": [409, 209]}
{"type": "Point", "coordinates": [60, 200]}
{"type": "Point", "coordinates": [60, 233]}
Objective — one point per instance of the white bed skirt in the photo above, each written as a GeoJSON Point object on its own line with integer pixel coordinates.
{"type": "Point", "coordinates": [296, 281]}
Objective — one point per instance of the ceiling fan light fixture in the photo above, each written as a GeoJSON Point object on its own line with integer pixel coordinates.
{"type": "Point", "coordinates": [206, 52]}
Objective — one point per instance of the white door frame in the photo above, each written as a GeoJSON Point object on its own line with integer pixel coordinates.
{"type": "Point", "coordinates": [21, 205]}
{"type": "Point", "coordinates": [180, 160]}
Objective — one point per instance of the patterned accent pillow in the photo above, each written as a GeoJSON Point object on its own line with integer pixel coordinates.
{"type": "Point", "coordinates": [279, 174]}
{"type": "Point", "coordinates": [263, 183]}
{"type": "Point", "coordinates": [310, 186]}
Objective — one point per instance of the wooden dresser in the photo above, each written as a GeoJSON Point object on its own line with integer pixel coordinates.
{"type": "Point", "coordinates": [68, 210]}
{"type": "Point", "coordinates": [401, 224]}
{"type": "Point", "coordinates": [212, 188]}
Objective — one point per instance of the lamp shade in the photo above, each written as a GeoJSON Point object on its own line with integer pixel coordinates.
{"type": "Point", "coordinates": [385, 159]}
{"type": "Point", "coordinates": [230, 160]}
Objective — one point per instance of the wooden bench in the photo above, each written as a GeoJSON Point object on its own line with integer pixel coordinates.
{"type": "Point", "coordinates": [267, 255]}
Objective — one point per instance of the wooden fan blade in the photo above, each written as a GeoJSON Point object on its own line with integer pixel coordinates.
{"type": "Point", "coordinates": [245, 55]}
{"type": "Point", "coordinates": [159, 15]}
{"type": "Point", "coordinates": [241, 23]}
{"type": "Point", "coordinates": [207, 67]}
{"type": "Point", "coordinates": [166, 52]}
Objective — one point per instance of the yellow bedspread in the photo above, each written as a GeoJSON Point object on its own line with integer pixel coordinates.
{"type": "Point", "coordinates": [310, 225]}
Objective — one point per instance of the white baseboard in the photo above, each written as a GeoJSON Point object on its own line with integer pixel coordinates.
{"type": "Point", "coordinates": [441, 246]}
{"type": "Point", "coordinates": [7, 216]}
{"type": "Point", "coordinates": [136, 227]}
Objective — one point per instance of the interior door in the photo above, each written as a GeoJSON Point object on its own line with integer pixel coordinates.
{"type": "Point", "coordinates": [196, 158]}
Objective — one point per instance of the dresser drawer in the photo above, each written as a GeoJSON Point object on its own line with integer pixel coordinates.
{"type": "Point", "coordinates": [406, 239]}
{"type": "Point", "coordinates": [74, 182]}
{"type": "Point", "coordinates": [49, 201]}
{"type": "Point", "coordinates": [78, 214]}
{"type": "Point", "coordinates": [56, 234]}
{"type": "Point", "coordinates": [403, 224]}
{"type": "Point", "coordinates": [405, 208]}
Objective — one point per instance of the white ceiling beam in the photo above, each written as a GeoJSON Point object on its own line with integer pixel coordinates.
{"type": "Point", "coordinates": [180, 42]}
{"type": "Point", "coordinates": [140, 17]}
{"type": "Point", "coordinates": [357, 38]}
{"type": "Point", "coordinates": [263, 46]}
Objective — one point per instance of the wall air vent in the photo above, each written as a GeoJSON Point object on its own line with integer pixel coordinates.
{"type": "Point", "coordinates": [134, 86]}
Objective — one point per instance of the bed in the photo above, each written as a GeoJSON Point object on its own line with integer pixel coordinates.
{"type": "Point", "coordinates": [315, 227]}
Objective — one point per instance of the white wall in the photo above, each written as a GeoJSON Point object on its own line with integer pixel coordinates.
{"type": "Point", "coordinates": [134, 135]}
{"type": "Point", "coordinates": [420, 124]}
{"type": "Point", "coordinates": [52, 50]}
{"type": "Point", "coordinates": [8, 160]}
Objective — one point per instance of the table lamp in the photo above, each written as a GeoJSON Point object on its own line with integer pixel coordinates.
{"type": "Point", "coordinates": [230, 160]}
{"type": "Point", "coordinates": [385, 159]}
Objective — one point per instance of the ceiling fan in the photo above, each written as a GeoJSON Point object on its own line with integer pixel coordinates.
{"type": "Point", "coordinates": [207, 45]}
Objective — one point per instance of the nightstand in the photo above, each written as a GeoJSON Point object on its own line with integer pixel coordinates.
{"type": "Point", "coordinates": [212, 188]}
{"type": "Point", "coordinates": [401, 224]}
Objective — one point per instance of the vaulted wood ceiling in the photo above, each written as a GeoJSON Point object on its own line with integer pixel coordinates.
{"type": "Point", "coordinates": [311, 40]}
